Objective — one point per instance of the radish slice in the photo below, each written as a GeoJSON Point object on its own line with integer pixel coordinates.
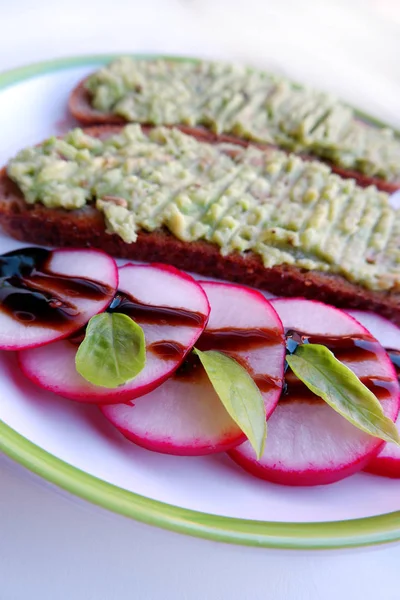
{"type": "Point", "coordinates": [185, 416]}
{"type": "Point", "coordinates": [308, 442]}
{"type": "Point", "coordinates": [48, 295]}
{"type": "Point", "coordinates": [387, 462]}
{"type": "Point", "coordinates": [172, 309]}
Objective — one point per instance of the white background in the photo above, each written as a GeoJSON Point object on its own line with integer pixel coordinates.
{"type": "Point", "coordinates": [54, 547]}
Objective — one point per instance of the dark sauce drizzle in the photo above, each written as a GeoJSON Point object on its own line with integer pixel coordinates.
{"type": "Point", "coordinates": [31, 293]}
{"type": "Point", "coordinates": [353, 348]}
{"type": "Point", "coordinates": [394, 356]}
{"type": "Point", "coordinates": [229, 341]}
{"type": "Point", "coordinates": [232, 342]}
{"type": "Point", "coordinates": [238, 340]}
{"type": "Point", "coordinates": [154, 315]}
{"type": "Point", "coordinates": [146, 314]}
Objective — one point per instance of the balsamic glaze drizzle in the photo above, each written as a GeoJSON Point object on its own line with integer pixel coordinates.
{"type": "Point", "coordinates": [232, 342]}
{"type": "Point", "coordinates": [352, 349]}
{"type": "Point", "coordinates": [31, 293]}
{"type": "Point", "coordinates": [394, 356]}
{"type": "Point", "coordinates": [146, 314]}
{"type": "Point", "coordinates": [154, 315]}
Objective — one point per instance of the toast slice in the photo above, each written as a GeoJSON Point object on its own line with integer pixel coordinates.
{"type": "Point", "coordinates": [81, 107]}
{"type": "Point", "coordinates": [35, 223]}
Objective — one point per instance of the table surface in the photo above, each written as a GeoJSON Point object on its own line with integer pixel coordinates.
{"type": "Point", "coordinates": [54, 546]}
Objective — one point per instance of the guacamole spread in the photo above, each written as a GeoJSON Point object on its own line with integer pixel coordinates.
{"type": "Point", "coordinates": [285, 209]}
{"type": "Point", "coordinates": [247, 103]}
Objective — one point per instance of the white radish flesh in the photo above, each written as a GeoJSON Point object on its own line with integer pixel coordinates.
{"type": "Point", "coordinates": [157, 288]}
{"type": "Point", "coordinates": [184, 416]}
{"type": "Point", "coordinates": [387, 462]}
{"type": "Point", "coordinates": [308, 442]}
{"type": "Point", "coordinates": [64, 269]}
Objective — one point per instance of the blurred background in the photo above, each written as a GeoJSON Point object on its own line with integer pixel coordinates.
{"type": "Point", "coordinates": [351, 47]}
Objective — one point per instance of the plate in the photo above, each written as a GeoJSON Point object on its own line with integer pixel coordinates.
{"type": "Point", "coordinates": [72, 446]}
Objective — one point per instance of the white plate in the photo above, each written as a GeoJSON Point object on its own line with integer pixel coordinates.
{"type": "Point", "coordinates": [75, 447]}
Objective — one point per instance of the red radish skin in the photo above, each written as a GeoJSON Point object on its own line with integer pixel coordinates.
{"type": "Point", "coordinates": [186, 417]}
{"type": "Point", "coordinates": [93, 265]}
{"type": "Point", "coordinates": [385, 466]}
{"type": "Point", "coordinates": [53, 367]}
{"type": "Point", "coordinates": [170, 428]}
{"type": "Point", "coordinates": [387, 463]}
{"type": "Point", "coordinates": [308, 443]}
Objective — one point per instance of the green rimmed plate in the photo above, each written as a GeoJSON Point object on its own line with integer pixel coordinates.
{"type": "Point", "coordinates": [73, 447]}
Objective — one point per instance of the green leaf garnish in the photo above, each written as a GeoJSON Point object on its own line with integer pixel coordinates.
{"type": "Point", "coordinates": [239, 394]}
{"type": "Point", "coordinates": [327, 377]}
{"type": "Point", "coordinates": [113, 351]}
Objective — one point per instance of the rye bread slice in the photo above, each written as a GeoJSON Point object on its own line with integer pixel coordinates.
{"type": "Point", "coordinates": [80, 107]}
{"type": "Point", "coordinates": [34, 223]}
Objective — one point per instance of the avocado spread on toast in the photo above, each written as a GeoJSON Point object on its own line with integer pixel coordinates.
{"type": "Point", "coordinates": [250, 104]}
{"type": "Point", "coordinates": [285, 209]}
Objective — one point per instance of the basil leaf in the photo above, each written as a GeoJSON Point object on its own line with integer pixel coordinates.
{"type": "Point", "coordinates": [330, 379]}
{"type": "Point", "coordinates": [239, 394]}
{"type": "Point", "coordinates": [113, 351]}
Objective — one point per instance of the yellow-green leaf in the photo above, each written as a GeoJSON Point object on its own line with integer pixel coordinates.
{"type": "Point", "coordinates": [239, 394]}
{"type": "Point", "coordinates": [331, 380]}
{"type": "Point", "coordinates": [113, 351]}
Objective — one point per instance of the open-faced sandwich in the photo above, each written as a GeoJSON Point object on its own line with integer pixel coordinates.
{"type": "Point", "coordinates": [223, 101]}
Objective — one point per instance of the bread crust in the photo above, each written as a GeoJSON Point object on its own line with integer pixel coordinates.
{"type": "Point", "coordinates": [34, 223]}
{"type": "Point", "coordinates": [80, 107]}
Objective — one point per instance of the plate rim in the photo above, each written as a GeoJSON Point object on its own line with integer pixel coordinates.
{"type": "Point", "coordinates": [365, 531]}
